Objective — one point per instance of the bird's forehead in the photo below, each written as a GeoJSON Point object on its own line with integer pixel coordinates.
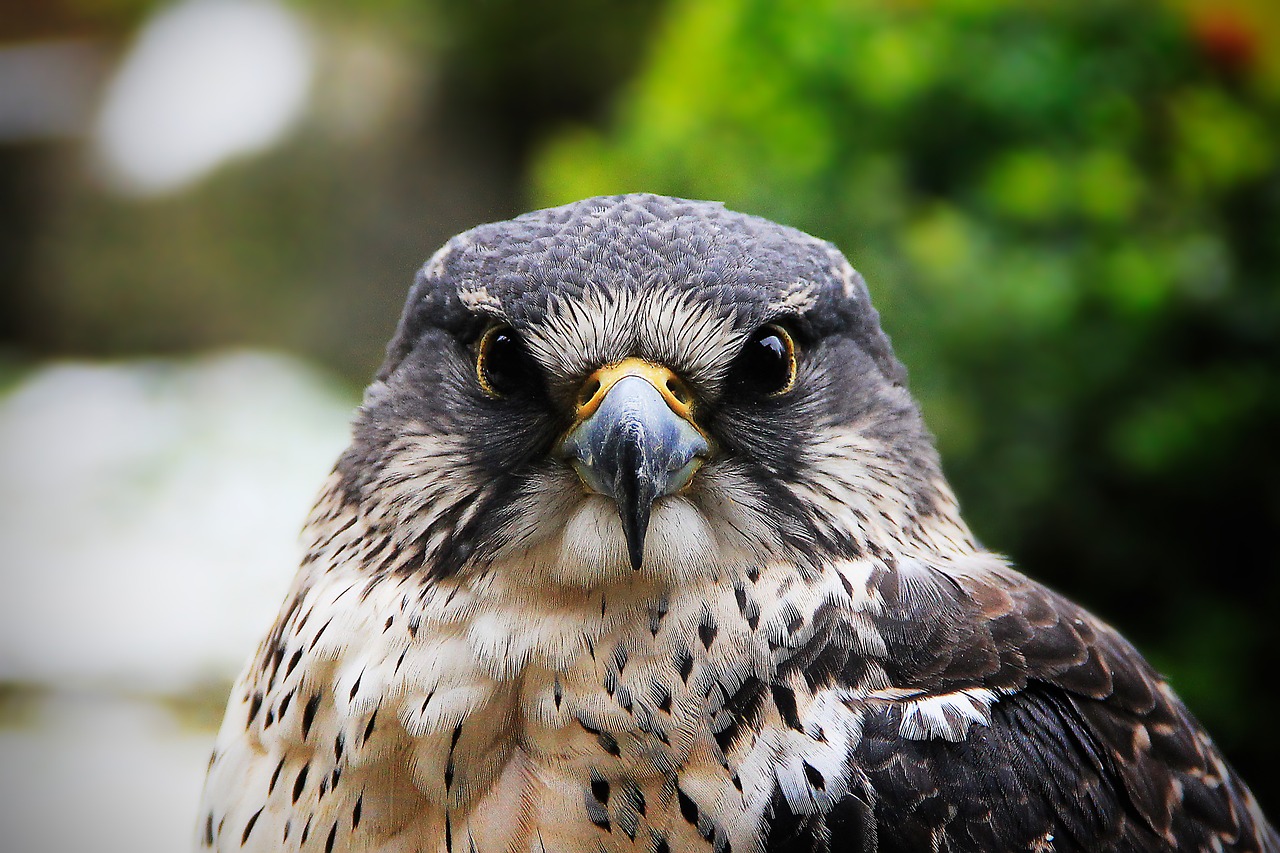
{"type": "Point", "coordinates": [677, 281]}
{"type": "Point", "coordinates": [691, 331]}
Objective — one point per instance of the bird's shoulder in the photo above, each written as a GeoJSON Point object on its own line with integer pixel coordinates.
{"type": "Point", "coordinates": [305, 733]}
{"type": "Point", "coordinates": [1000, 715]}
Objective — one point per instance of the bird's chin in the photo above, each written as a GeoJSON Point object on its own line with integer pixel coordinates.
{"type": "Point", "coordinates": [591, 548]}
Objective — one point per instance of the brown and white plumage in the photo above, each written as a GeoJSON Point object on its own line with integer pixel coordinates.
{"type": "Point", "coordinates": [797, 646]}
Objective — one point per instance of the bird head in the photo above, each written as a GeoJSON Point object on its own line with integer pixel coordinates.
{"type": "Point", "coordinates": [639, 387]}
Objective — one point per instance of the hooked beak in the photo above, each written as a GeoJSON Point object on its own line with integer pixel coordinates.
{"type": "Point", "coordinates": [634, 440]}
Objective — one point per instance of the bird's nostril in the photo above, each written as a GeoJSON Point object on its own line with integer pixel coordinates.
{"type": "Point", "coordinates": [678, 391]}
{"type": "Point", "coordinates": [588, 391]}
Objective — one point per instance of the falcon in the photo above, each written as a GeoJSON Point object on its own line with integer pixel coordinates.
{"type": "Point", "coordinates": [640, 544]}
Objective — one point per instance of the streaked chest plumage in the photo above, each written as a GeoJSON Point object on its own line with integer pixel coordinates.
{"type": "Point", "coordinates": [481, 715]}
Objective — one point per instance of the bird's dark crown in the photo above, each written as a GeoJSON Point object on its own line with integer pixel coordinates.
{"type": "Point", "coordinates": [635, 243]}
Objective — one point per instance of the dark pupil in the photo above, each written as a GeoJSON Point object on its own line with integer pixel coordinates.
{"type": "Point", "coordinates": [504, 365]}
{"type": "Point", "coordinates": [765, 363]}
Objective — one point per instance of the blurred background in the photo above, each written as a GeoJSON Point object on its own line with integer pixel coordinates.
{"type": "Point", "coordinates": [210, 211]}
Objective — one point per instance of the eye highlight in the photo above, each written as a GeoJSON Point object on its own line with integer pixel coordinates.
{"type": "Point", "coordinates": [503, 367]}
{"type": "Point", "coordinates": [766, 366]}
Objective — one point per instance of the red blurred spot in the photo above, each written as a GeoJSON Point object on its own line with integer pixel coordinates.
{"type": "Point", "coordinates": [1227, 39]}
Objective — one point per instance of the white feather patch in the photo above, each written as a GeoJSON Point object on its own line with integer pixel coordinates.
{"type": "Point", "coordinates": [945, 715]}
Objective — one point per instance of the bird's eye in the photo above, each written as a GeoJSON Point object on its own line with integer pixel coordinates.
{"type": "Point", "coordinates": [767, 364]}
{"type": "Point", "coordinates": [503, 367]}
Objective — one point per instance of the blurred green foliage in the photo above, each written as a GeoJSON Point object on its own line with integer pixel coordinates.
{"type": "Point", "coordinates": [1069, 216]}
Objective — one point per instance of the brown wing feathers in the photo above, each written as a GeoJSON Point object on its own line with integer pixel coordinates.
{"type": "Point", "coordinates": [1087, 748]}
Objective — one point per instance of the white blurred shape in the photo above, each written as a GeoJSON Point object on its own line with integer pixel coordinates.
{"type": "Point", "coordinates": [100, 774]}
{"type": "Point", "coordinates": [149, 514]}
{"type": "Point", "coordinates": [207, 80]}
